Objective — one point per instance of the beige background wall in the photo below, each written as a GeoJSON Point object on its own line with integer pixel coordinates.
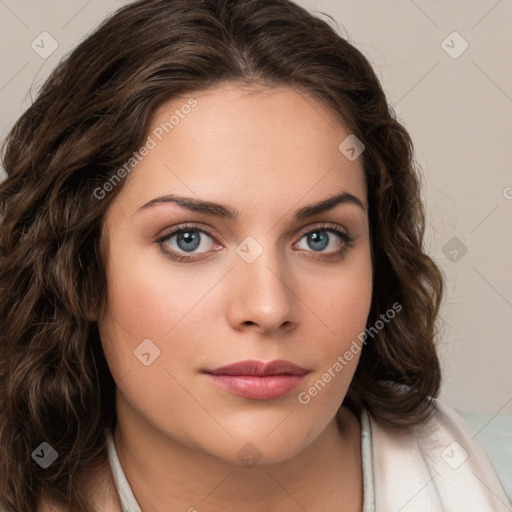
{"type": "Point", "coordinates": [456, 103]}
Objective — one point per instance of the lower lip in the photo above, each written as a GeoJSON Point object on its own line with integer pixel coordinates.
{"type": "Point", "coordinates": [258, 388]}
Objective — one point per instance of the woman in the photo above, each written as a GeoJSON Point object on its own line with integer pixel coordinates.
{"type": "Point", "coordinates": [215, 295]}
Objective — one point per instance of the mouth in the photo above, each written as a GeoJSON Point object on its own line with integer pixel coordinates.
{"type": "Point", "coordinates": [257, 380]}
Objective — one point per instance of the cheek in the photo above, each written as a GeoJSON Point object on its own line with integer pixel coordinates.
{"type": "Point", "coordinates": [152, 299]}
{"type": "Point", "coordinates": [148, 295]}
{"type": "Point", "coordinates": [341, 300]}
{"type": "Point", "coordinates": [343, 309]}
{"type": "Point", "coordinates": [154, 311]}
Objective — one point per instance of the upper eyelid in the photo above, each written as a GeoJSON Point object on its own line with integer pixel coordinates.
{"type": "Point", "coordinates": [167, 233]}
{"type": "Point", "coordinates": [323, 225]}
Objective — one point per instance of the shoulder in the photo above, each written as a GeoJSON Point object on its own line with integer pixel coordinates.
{"type": "Point", "coordinates": [439, 466]}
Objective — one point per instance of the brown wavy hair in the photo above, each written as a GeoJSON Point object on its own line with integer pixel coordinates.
{"type": "Point", "coordinates": [89, 117]}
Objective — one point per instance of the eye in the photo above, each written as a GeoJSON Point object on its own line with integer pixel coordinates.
{"type": "Point", "coordinates": [183, 243]}
{"type": "Point", "coordinates": [185, 239]}
{"type": "Point", "coordinates": [330, 237]}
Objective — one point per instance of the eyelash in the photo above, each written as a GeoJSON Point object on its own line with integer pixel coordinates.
{"type": "Point", "coordinates": [348, 241]}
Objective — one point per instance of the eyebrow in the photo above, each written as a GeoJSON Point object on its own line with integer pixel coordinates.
{"type": "Point", "coordinates": [227, 212]}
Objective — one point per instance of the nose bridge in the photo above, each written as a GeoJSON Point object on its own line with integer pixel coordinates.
{"type": "Point", "coordinates": [264, 292]}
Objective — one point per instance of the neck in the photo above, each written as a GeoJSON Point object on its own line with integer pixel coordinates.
{"type": "Point", "coordinates": [166, 475]}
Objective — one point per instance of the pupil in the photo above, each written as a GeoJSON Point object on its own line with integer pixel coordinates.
{"type": "Point", "coordinates": [190, 239]}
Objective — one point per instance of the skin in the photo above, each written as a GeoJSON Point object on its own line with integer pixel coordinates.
{"type": "Point", "coordinates": [266, 154]}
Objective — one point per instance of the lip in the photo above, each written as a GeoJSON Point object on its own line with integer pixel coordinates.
{"type": "Point", "coordinates": [257, 380]}
{"type": "Point", "coordinates": [260, 369]}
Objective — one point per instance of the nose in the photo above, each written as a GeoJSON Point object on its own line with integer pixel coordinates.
{"type": "Point", "coordinates": [263, 298]}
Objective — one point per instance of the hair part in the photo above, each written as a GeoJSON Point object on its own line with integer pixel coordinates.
{"type": "Point", "coordinates": [90, 116]}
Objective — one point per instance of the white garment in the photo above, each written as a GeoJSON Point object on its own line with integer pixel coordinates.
{"type": "Point", "coordinates": [438, 467]}
{"type": "Point", "coordinates": [128, 501]}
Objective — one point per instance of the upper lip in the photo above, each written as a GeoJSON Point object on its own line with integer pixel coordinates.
{"type": "Point", "coordinates": [258, 368]}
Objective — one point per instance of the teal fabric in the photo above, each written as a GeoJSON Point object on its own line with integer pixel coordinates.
{"type": "Point", "coordinates": [495, 434]}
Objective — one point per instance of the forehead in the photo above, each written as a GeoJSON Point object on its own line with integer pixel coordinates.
{"type": "Point", "coordinates": [247, 146]}
{"type": "Point", "coordinates": [267, 118]}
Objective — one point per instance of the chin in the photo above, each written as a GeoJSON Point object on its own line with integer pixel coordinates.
{"type": "Point", "coordinates": [261, 448]}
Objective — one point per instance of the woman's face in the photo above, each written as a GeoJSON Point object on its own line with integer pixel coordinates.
{"type": "Point", "coordinates": [274, 281]}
